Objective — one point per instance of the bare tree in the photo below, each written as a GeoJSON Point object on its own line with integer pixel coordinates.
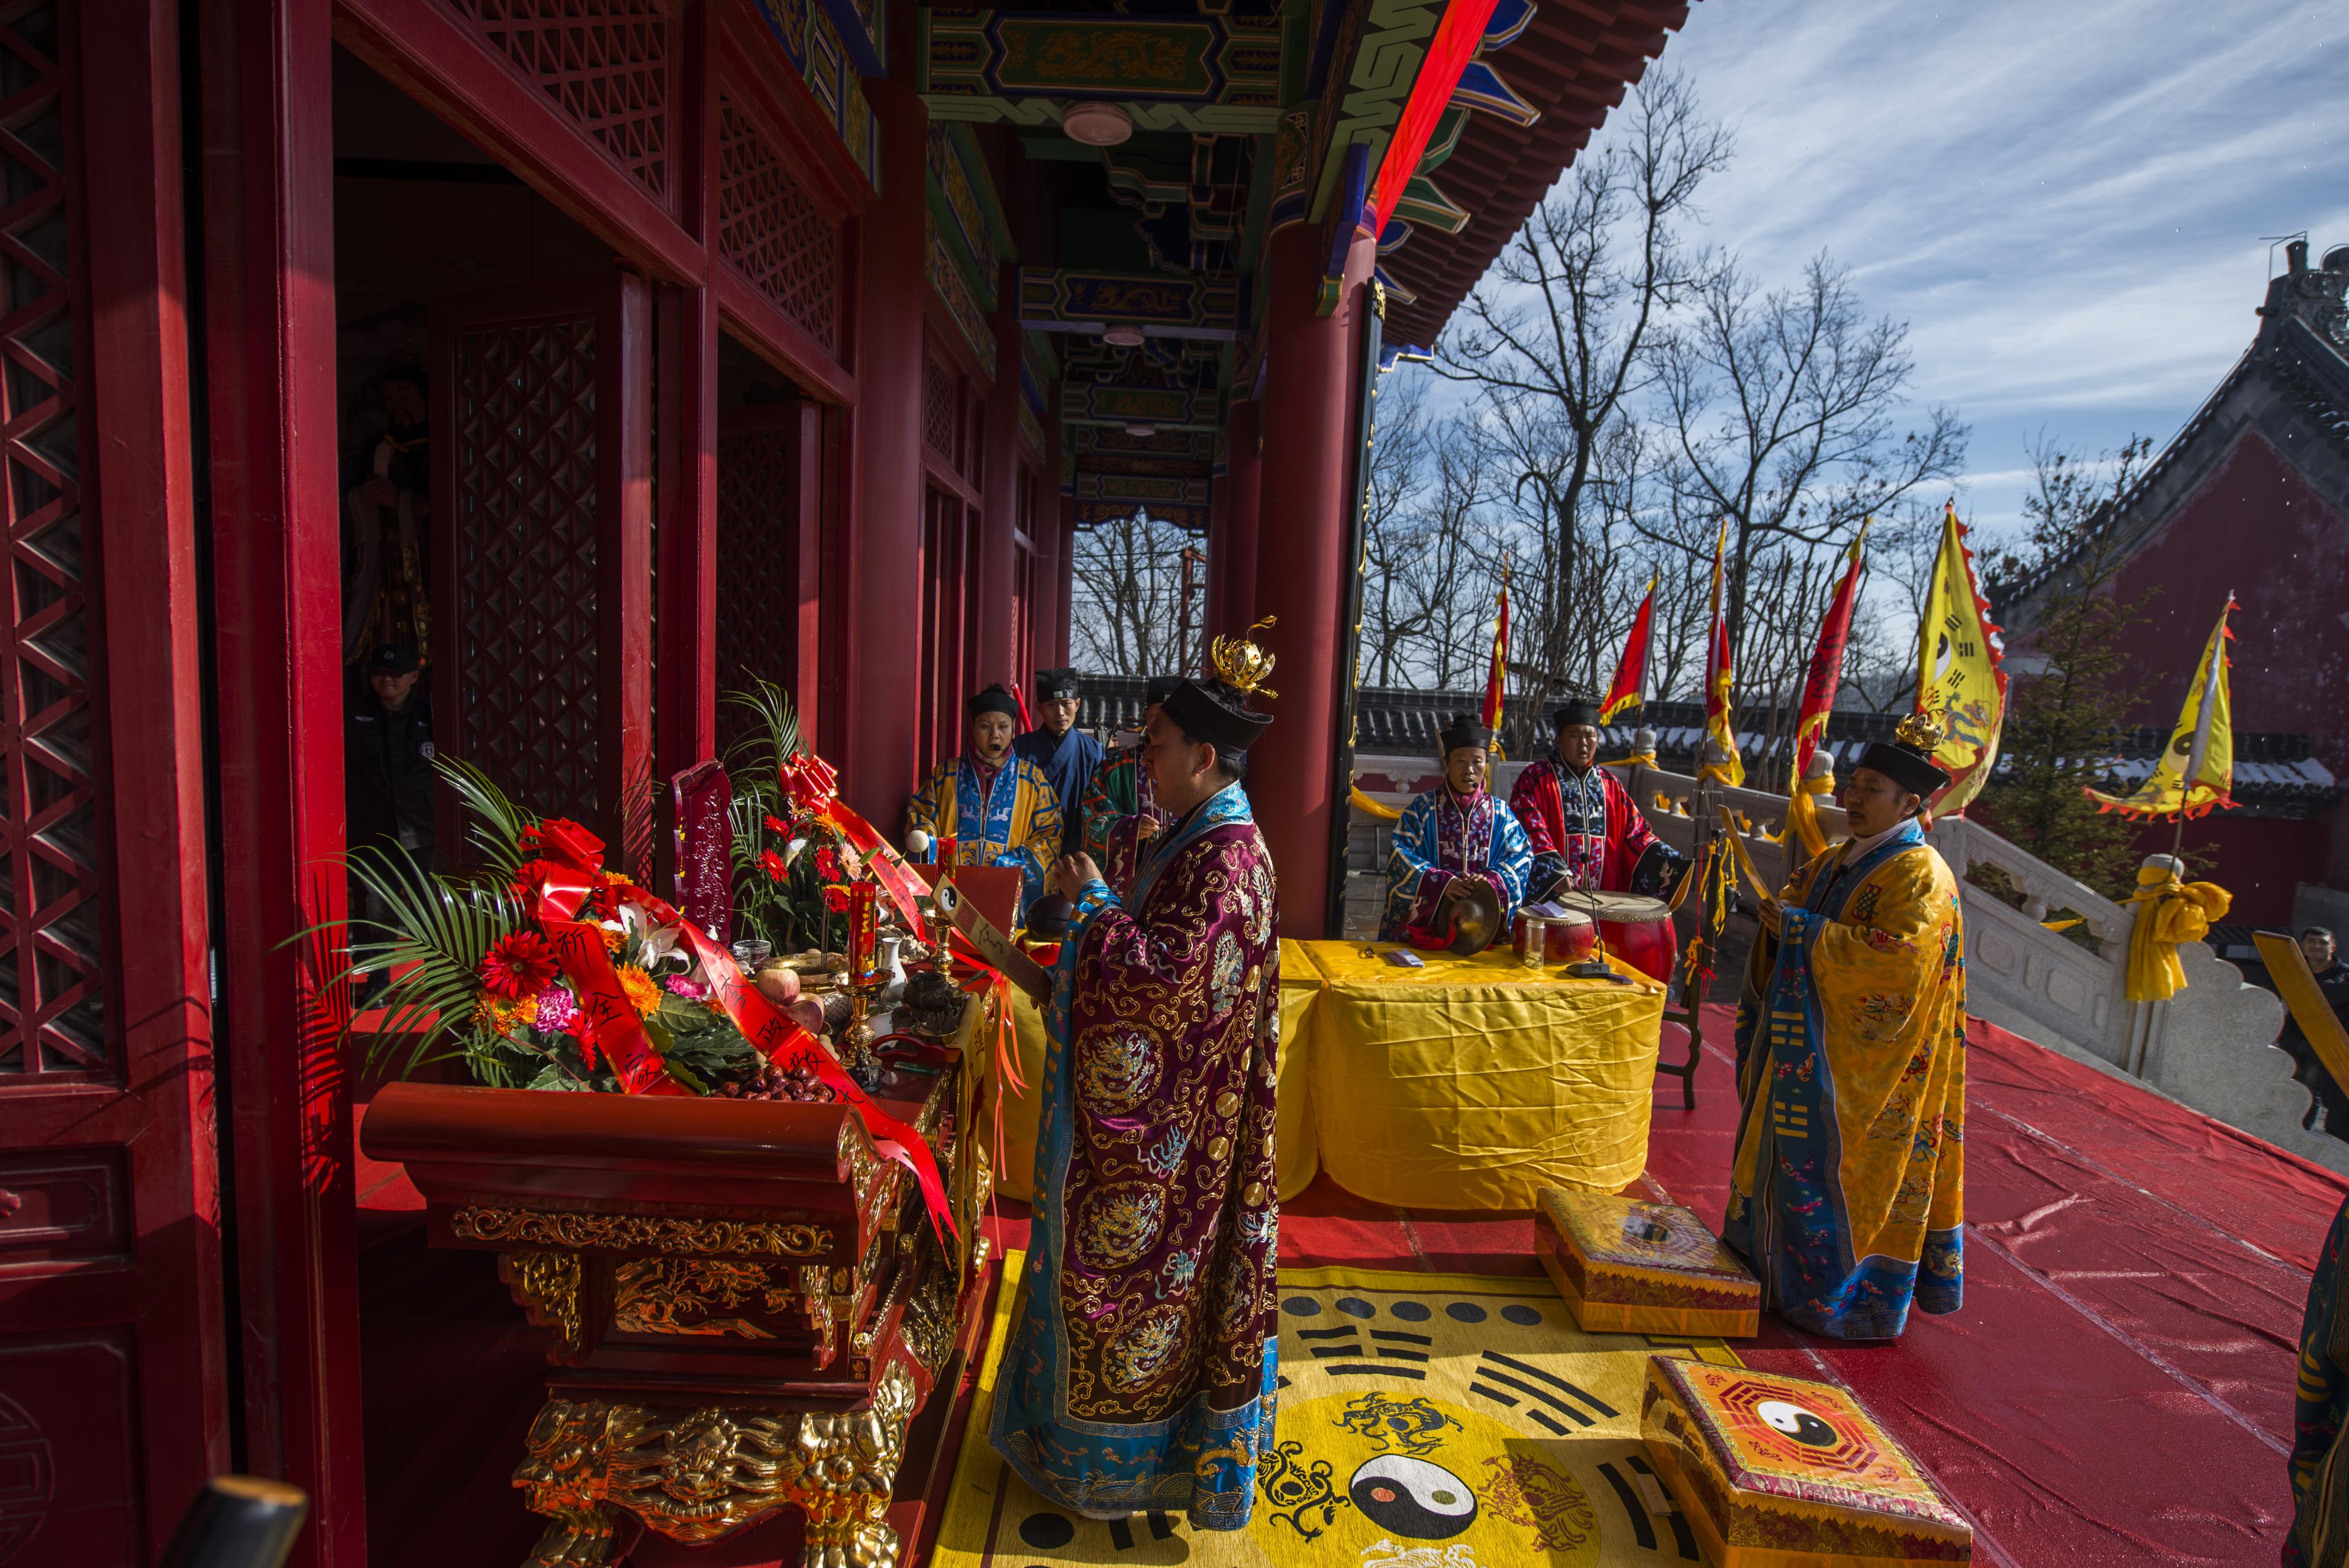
{"type": "Point", "coordinates": [1125, 610]}
{"type": "Point", "coordinates": [1556, 337]}
{"type": "Point", "coordinates": [1782, 408]}
{"type": "Point", "coordinates": [1394, 529]}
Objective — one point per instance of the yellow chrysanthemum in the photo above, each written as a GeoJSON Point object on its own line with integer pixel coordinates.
{"type": "Point", "coordinates": [644, 993]}
{"type": "Point", "coordinates": [502, 1015]}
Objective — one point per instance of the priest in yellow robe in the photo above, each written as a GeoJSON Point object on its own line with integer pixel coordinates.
{"type": "Point", "coordinates": [995, 809]}
{"type": "Point", "coordinates": [1847, 1195]}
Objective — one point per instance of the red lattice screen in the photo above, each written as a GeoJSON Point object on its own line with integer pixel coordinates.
{"type": "Point", "coordinates": [758, 584]}
{"type": "Point", "coordinates": [940, 413]}
{"type": "Point", "coordinates": [605, 62]}
{"type": "Point", "coordinates": [53, 929]}
{"type": "Point", "coordinates": [525, 541]}
{"type": "Point", "coordinates": [772, 233]}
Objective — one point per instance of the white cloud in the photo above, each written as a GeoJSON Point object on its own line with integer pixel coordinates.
{"type": "Point", "coordinates": [2069, 204]}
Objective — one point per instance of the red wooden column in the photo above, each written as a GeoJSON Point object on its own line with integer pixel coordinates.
{"type": "Point", "coordinates": [269, 310]}
{"type": "Point", "coordinates": [885, 536]}
{"type": "Point", "coordinates": [999, 434]}
{"type": "Point", "coordinates": [685, 707]}
{"type": "Point", "coordinates": [1300, 570]}
{"type": "Point", "coordinates": [1231, 559]}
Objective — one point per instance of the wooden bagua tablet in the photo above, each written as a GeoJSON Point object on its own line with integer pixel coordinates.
{"type": "Point", "coordinates": [1628, 1266]}
{"type": "Point", "coordinates": [1777, 1471]}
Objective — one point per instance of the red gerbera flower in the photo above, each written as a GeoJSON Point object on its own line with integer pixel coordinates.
{"type": "Point", "coordinates": [827, 864]}
{"type": "Point", "coordinates": [519, 965]}
{"type": "Point", "coordinates": [772, 864]}
{"type": "Point", "coordinates": [836, 899]}
{"type": "Point", "coordinates": [777, 824]}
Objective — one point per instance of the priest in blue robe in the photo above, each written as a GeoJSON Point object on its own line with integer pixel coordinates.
{"type": "Point", "coordinates": [1455, 831]}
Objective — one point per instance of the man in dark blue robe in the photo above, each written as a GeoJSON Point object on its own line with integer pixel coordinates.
{"type": "Point", "coordinates": [1067, 755]}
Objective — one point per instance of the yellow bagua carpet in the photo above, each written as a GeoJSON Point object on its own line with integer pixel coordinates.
{"type": "Point", "coordinates": [1426, 1421]}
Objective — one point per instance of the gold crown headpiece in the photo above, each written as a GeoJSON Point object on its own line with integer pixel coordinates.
{"type": "Point", "coordinates": [1241, 664]}
{"type": "Point", "coordinates": [1920, 732]}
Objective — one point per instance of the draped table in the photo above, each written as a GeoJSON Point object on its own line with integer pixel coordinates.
{"type": "Point", "coordinates": [1474, 1083]}
{"type": "Point", "coordinates": [1466, 1083]}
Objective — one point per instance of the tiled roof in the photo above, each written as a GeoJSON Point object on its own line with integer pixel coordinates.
{"type": "Point", "coordinates": [2274, 773]}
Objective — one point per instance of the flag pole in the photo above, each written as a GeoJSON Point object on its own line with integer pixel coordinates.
{"type": "Point", "coordinates": [2201, 748]}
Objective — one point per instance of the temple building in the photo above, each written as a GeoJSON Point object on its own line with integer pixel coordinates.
{"type": "Point", "coordinates": [614, 355]}
{"type": "Point", "coordinates": [2251, 497]}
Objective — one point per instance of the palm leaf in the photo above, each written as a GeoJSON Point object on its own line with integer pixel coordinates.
{"type": "Point", "coordinates": [757, 756]}
{"type": "Point", "coordinates": [494, 823]}
{"type": "Point", "coordinates": [432, 937]}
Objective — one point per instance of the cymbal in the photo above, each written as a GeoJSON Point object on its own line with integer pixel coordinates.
{"type": "Point", "coordinates": [1476, 917]}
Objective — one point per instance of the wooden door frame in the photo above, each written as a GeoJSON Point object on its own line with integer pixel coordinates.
{"type": "Point", "coordinates": [269, 321]}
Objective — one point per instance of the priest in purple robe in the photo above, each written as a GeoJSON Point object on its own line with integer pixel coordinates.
{"type": "Point", "coordinates": [1140, 1368]}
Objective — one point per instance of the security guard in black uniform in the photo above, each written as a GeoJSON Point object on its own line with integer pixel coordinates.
{"type": "Point", "coordinates": [388, 764]}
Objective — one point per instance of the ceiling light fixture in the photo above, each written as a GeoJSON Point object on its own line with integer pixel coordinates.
{"type": "Point", "coordinates": [1097, 124]}
{"type": "Point", "coordinates": [1141, 432]}
{"type": "Point", "coordinates": [1122, 337]}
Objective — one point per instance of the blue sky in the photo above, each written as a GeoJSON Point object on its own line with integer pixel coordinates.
{"type": "Point", "coordinates": [2067, 200]}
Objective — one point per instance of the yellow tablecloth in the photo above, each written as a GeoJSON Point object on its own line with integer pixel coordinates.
{"type": "Point", "coordinates": [1301, 984]}
{"type": "Point", "coordinates": [1474, 1083]}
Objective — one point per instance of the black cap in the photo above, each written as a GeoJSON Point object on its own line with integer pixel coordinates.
{"type": "Point", "coordinates": [1216, 713]}
{"type": "Point", "coordinates": [994, 700]}
{"type": "Point", "coordinates": [1576, 710]}
{"type": "Point", "coordinates": [1158, 688]}
{"type": "Point", "coordinates": [1051, 684]}
{"type": "Point", "coordinates": [1913, 770]}
{"type": "Point", "coordinates": [1464, 729]}
{"type": "Point", "coordinates": [393, 659]}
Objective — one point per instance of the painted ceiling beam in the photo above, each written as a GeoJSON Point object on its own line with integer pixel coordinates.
{"type": "Point", "coordinates": [1166, 305]}
{"type": "Point", "coordinates": [1215, 75]}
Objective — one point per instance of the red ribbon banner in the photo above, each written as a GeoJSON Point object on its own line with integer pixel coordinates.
{"type": "Point", "coordinates": [813, 785]}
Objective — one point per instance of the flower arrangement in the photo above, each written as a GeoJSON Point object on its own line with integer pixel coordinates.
{"type": "Point", "coordinates": [792, 867]}
{"type": "Point", "coordinates": [475, 975]}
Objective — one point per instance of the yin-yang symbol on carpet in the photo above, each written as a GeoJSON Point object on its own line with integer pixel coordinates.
{"type": "Point", "coordinates": [1412, 1496]}
{"type": "Point", "coordinates": [1798, 1423]}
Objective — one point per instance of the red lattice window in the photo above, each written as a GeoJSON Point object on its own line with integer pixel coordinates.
{"type": "Point", "coordinates": [757, 613]}
{"type": "Point", "coordinates": [605, 62]}
{"type": "Point", "coordinates": [54, 934]}
{"type": "Point", "coordinates": [772, 233]}
{"type": "Point", "coordinates": [525, 541]}
{"type": "Point", "coordinates": [940, 412]}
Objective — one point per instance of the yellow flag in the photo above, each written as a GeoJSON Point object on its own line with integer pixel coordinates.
{"type": "Point", "coordinates": [2196, 773]}
{"type": "Point", "coordinates": [1720, 721]}
{"type": "Point", "coordinates": [1959, 678]}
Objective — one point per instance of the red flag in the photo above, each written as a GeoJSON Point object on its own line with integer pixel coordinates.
{"type": "Point", "coordinates": [1630, 687]}
{"type": "Point", "coordinates": [1827, 666]}
{"type": "Point", "coordinates": [1497, 672]}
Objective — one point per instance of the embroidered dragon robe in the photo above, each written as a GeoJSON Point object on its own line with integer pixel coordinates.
{"type": "Point", "coordinates": [1141, 1362]}
{"type": "Point", "coordinates": [1118, 801]}
{"type": "Point", "coordinates": [1584, 826]}
{"type": "Point", "coordinates": [1847, 1186]}
{"type": "Point", "coordinates": [1440, 837]}
{"type": "Point", "coordinates": [1013, 821]}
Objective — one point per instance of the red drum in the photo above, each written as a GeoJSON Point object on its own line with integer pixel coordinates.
{"type": "Point", "coordinates": [1566, 938]}
{"type": "Point", "coordinates": [1636, 929]}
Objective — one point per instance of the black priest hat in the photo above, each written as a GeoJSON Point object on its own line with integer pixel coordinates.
{"type": "Point", "coordinates": [1907, 759]}
{"type": "Point", "coordinates": [1464, 729]}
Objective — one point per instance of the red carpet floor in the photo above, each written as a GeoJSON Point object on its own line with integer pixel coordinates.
{"type": "Point", "coordinates": [2118, 1388]}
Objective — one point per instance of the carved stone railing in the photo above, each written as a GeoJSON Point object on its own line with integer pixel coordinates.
{"type": "Point", "coordinates": [2210, 1046]}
